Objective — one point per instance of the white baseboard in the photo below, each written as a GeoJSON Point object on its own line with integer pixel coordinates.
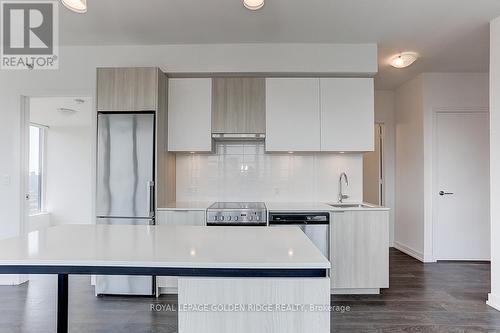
{"type": "Point", "coordinates": [409, 251]}
{"type": "Point", "coordinates": [355, 291]}
{"type": "Point", "coordinates": [12, 279]}
{"type": "Point", "coordinates": [493, 301]}
{"type": "Point", "coordinates": [464, 259]}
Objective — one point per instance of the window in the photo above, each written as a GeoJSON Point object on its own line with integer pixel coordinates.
{"type": "Point", "coordinates": [36, 172]}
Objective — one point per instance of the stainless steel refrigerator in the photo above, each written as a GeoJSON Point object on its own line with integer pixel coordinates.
{"type": "Point", "coordinates": [125, 185]}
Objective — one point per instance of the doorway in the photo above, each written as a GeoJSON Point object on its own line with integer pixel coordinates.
{"type": "Point", "coordinates": [59, 159]}
{"type": "Point", "coordinates": [461, 214]}
{"type": "Point", "coordinates": [373, 173]}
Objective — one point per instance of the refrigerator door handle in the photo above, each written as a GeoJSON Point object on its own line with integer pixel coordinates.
{"type": "Point", "coordinates": [150, 204]}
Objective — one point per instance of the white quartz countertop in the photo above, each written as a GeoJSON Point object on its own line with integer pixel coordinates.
{"type": "Point", "coordinates": [164, 246]}
{"type": "Point", "coordinates": [317, 207]}
{"type": "Point", "coordinates": [187, 205]}
{"type": "Point", "coordinates": [277, 206]}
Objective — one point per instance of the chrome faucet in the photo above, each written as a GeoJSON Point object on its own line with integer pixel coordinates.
{"type": "Point", "coordinates": [342, 196]}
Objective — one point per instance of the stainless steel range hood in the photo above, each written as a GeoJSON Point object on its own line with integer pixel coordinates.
{"type": "Point", "coordinates": [238, 136]}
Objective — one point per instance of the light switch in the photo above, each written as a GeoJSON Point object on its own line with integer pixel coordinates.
{"type": "Point", "coordinates": [6, 180]}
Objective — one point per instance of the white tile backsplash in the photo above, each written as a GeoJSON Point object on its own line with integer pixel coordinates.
{"type": "Point", "coordinates": [242, 171]}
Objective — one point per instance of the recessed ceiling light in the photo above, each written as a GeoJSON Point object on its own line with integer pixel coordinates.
{"type": "Point", "coordinates": [403, 59]}
{"type": "Point", "coordinates": [253, 4]}
{"type": "Point", "coordinates": [78, 6]}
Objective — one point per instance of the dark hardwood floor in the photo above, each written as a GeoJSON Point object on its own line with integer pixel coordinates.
{"type": "Point", "coordinates": [437, 297]}
{"type": "Point", "coordinates": [442, 297]}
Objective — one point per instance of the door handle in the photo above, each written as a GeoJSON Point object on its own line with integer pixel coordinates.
{"type": "Point", "coordinates": [445, 193]}
{"type": "Point", "coordinates": [150, 203]}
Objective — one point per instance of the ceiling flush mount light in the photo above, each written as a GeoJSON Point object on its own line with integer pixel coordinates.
{"type": "Point", "coordinates": [78, 6]}
{"type": "Point", "coordinates": [67, 111]}
{"type": "Point", "coordinates": [253, 4]}
{"type": "Point", "coordinates": [403, 59]}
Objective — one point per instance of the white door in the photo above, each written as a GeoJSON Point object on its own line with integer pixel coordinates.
{"type": "Point", "coordinates": [462, 223]}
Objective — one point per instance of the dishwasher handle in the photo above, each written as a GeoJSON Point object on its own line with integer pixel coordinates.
{"type": "Point", "coordinates": [299, 218]}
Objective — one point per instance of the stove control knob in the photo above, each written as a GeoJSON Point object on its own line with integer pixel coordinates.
{"type": "Point", "coordinates": [236, 218]}
{"type": "Point", "coordinates": [251, 218]}
{"type": "Point", "coordinates": [222, 218]}
{"type": "Point", "coordinates": [229, 218]}
{"type": "Point", "coordinates": [257, 218]}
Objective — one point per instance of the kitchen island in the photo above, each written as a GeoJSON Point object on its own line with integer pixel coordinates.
{"type": "Point", "coordinates": [232, 279]}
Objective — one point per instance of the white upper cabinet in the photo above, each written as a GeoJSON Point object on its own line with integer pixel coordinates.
{"type": "Point", "coordinates": [347, 114]}
{"type": "Point", "coordinates": [292, 114]}
{"type": "Point", "coordinates": [190, 114]}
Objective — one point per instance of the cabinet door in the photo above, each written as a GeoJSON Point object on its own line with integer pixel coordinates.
{"type": "Point", "coordinates": [347, 114]}
{"type": "Point", "coordinates": [181, 217]}
{"type": "Point", "coordinates": [189, 115]}
{"type": "Point", "coordinates": [292, 114]}
{"type": "Point", "coordinates": [127, 89]}
{"type": "Point", "coordinates": [176, 217]}
{"type": "Point", "coordinates": [360, 249]}
{"type": "Point", "coordinates": [239, 105]}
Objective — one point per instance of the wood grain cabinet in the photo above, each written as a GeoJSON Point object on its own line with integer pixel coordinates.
{"type": "Point", "coordinates": [189, 115]}
{"type": "Point", "coordinates": [292, 114]}
{"type": "Point", "coordinates": [359, 251]}
{"type": "Point", "coordinates": [127, 89]}
{"type": "Point", "coordinates": [347, 114]}
{"type": "Point", "coordinates": [238, 105]}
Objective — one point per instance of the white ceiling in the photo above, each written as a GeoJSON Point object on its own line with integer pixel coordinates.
{"type": "Point", "coordinates": [44, 111]}
{"type": "Point", "coordinates": [451, 35]}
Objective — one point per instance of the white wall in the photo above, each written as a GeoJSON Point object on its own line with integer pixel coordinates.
{"type": "Point", "coordinates": [455, 92]}
{"type": "Point", "coordinates": [243, 172]}
{"type": "Point", "coordinates": [494, 296]}
{"type": "Point", "coordinates": [385, 113]}
{"type": "Point", "coordinates": [417, 102]}
{"type": "Point", "coordinates": [76, 77]}
{"type": "Point", "coordinates": [409, 220]}
{"type": "Point", "coordinates": [68, 157]}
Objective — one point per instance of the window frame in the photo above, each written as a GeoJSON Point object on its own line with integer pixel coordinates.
{"type": "Point", "coordinates": [42, 158]}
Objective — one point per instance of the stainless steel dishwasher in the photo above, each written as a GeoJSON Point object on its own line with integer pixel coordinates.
{"type": "Point", "coordinates": [315, 225]}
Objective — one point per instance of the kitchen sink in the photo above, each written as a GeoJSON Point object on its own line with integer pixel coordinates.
{"type": "Point", "coordinates": [350, 205]}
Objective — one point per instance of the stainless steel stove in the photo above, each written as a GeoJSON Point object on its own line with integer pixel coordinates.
{"type": "Point", "coordinates": [237, 213]}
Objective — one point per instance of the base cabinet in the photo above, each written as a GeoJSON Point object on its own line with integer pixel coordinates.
{"type": "Point", "coordinates": [168, 284]}
{"type": "Point", "coordinates": [255, 299]}
{"type": "Point", "coordinates": [181, 217]}
{"type": "Point", "coordinates": [359, 251]}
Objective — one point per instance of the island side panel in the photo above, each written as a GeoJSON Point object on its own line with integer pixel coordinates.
{"type": "Point", "coordinates": [288, 291]}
